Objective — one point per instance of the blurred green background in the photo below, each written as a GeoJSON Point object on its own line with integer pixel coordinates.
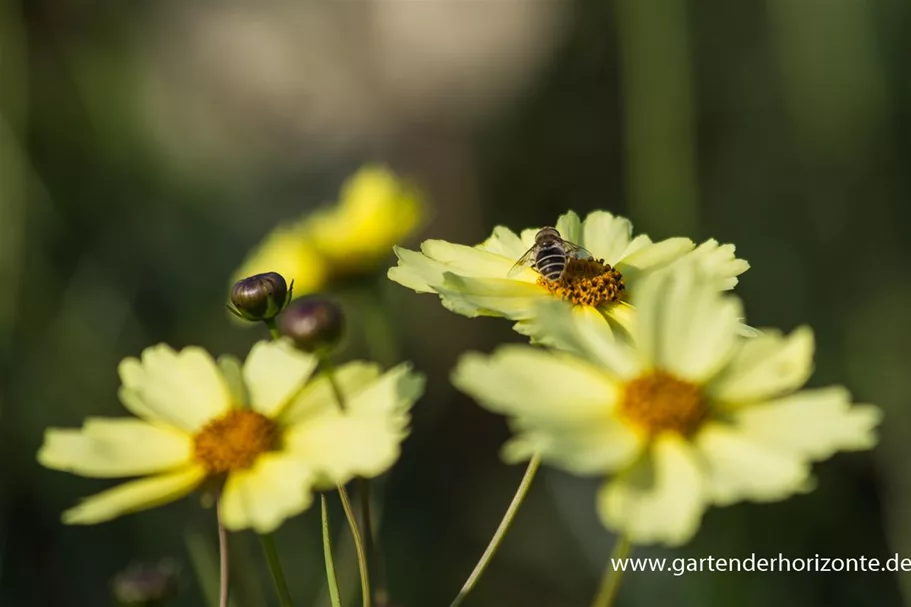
{"type": "Point", "coordinates": [145, 147]}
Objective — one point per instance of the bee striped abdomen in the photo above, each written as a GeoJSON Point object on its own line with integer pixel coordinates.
{"type": "Point", "coordinates": [550, 261]}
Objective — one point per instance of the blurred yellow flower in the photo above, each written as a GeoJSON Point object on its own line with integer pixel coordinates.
{"type": "Point", "coordinates": [475, 281]}
{"type": "Point", "coordinates": [685, 414]}
{"type": "Point", "coordinates": [376, 210]}
{"type": "Point", "coordinates": [288, 251]}
{"type": "Point", "coordinates": [261, 429]}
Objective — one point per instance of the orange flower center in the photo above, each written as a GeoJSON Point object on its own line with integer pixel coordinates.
{"type": "Point", "coordinates": [586, 282]}
{"type": "Point", "coordinates": [658, 402]}
{"type": "Point", "coordinates": [234, 440]}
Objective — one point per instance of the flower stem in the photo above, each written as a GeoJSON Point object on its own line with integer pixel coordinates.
{"type": "Point", "coordinates": [273, 328]}
{"type": "Point", "coordinates": [500, 533]}
{"type": "Point", "coordinates": [379, 335]}
{"type": "Point", "coordinates": [358, 545]}
{"type": "Point", "coordinates": [329, 369]}
{"type": "Point", "coordinates": [223, 554]}
{"type": "Point", "coordinates": [275, 568]}
{"type": "Point", "coordinates": [383, 347]}
{"type": "Point", "coordinates": [374, 562]}
{"type": "Point", "coordinates": [613, 576]}
{"type": "Point", "coordinates": [334, 596]}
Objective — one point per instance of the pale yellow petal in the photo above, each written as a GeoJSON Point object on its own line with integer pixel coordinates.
{"type": "Point", "coordinates": [184, 389]}
{"type": "Point", "coordinates": [425, 272]}
{"type": "Point", "coordinates": [588, 317]}
{"type": "Point", "coordinates": [504, 242]}
{"type": "Point", "coordinates": [653, 256]}
{"type": "Point", "coordinates": [527, 236]}
{"type": "Point", "coordinates": [339, 446]}
{"type": "Point", "coordinates": [570, 227]}
{"type": "Point", "coordinates": [660, 499]}
{"type": "Point", "coordinates": [318, 398]}
{"type": "Point", "coordinates": [598, 446]}
{"type": "Point", "coordinates": [812, 423]}
{"type": "Point", "coordinates": [277, 487]}
{"type": "Point", "coordinates": [468, 261]}
{"type": "Point", "coordinates": [685, 325]}
{"type": "Point", "coordinates": [391, 394]}
{"type": "Point", "coordinates": [513, 299]}
{"type": "Point", "coordinates": [233, 371]}
{"type": "Point", "coordinates": [417, 271]}
{"type": "Point", "coordinates": [639, 242]}
{"type": "Point", "coordinates": [364, 440]}
{"type": "Point", "coordinates": [274, 372]}
{"type": "Point", "coordinates": [135, 496]}
{"type": "Point", "coordinates": [532, 383]}
{"type": "Point", "coordinates": [541, 336]}
{"type": "Point", "coordinates": [719, 262]}
{"type": "Point", "coordinates": [622, 316]}
{"type": "Point", "coordinates": [606, 236]}
{"type": "Point", "coordinates": [738, 468]}
{"type": "Point", "coordinates": [766, 366]}
{"type": "Point", "coordinates": [115, 447]}
{"type": "Point", "coordinates": [583, 331]}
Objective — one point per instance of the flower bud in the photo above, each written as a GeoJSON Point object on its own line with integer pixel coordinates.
{"type": "Point", "coordinates": [315, 324]}
{"type": "Point", "coordinates": [260, 297]}
{"type": "Point", "coordinates": [144, 585]}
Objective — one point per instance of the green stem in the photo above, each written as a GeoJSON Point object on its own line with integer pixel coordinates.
{"type": "Point", "coordinates": [273, 328]}
{"type": "Point", "coordinates": [329, 370]}
{"type": "Point", "coordinates": [358, 545]}
{"type": "Point", "coordinates": [613, 576]}
{"type": "Point", "coordinates": [500, 533]}
{"type": "Point", "coordinates": [327, 551]}
{"type": "Point", "coordinates": [374, 562]}
{"type": "Point", "coordinates": [379, 335]}
{"type": "Point", "coordinates": [275, 568]}
{"type": "Point", "coordinates": [223, 560]}
{"type": "Point", "coordinates": [383, 346]}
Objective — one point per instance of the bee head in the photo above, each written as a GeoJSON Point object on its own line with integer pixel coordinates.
{"type": "Point", "coordinates": [546, 235]}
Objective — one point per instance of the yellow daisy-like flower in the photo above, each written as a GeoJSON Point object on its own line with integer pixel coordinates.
{"type": "Point", "coordinates": [376, 210]}
{"type": "Point", "coordinates": [261, 429]}
{"type": "Point", "coordinates": [685, 415]}
{"type": "Point", "coordinates": [289, 251]}
{"type": "Point", "coordinates": [474, 281]}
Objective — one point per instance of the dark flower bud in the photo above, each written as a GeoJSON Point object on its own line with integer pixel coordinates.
{"type": "Point", "coordinates": [260, 297]}
{"type": "Point", "coordinates": [144, 585]}
{"type": "Point", "coordinates": [315, 324]}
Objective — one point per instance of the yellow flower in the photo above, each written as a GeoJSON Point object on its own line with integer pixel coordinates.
{"type": "Point", "coordinates": [685, 414]}
{"type": "Point", "coordinates": [260, 429]}
{"type": "Point", "coordinates": [376, 211]}
{"type": "Point", "coordinates": [474, 281]}
{"type": "Point", "coordinates": [288, 251]}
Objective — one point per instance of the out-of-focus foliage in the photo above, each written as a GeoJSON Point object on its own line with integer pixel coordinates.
{"type": "Point", "coordinates": [145, 150]}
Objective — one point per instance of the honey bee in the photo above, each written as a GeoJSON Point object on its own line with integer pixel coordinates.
{"type": "Point", "coordinates": [549, 255]}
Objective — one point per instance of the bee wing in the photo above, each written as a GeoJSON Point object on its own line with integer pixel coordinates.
{"type": "Point", "coordinates": [528, 259]}
{"type": "Point", "coordinates": [577, 251]}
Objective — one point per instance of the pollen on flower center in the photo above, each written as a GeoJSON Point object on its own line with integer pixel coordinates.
{"type": "Point", "coordinates": [659, 401]}
{"type": "Point", "coordinates": [586, 282]}
{"type": "Point", "coordinates": [235, 440]}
